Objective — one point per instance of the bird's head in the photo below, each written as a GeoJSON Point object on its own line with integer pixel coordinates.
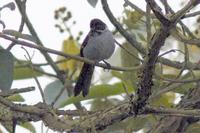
{"type": "Point", "coordinates": [97, 25]}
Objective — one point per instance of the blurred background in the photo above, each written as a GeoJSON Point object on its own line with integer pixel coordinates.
{"type": "Point", "coordinates": [63, 24]}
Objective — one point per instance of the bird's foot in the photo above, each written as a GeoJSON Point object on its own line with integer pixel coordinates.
{"type": "Point", "coordinates": [107, 64]}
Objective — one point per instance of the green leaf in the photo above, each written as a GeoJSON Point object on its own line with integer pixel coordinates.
{"type": "Point", "coordinates": [25, 73]}
{"type": "Point", "coordinates": [1, 47]}
{"type": "Point", "coordinates": [166, 100]}
{"type": "Point", "coordinates": [6, 69]}
{"type": "Point", "coordinates": [135, 124]}
{"type": "Point", "coordinates": [99, 91]}
{"type": "Point", "coordinates": [129, 125]}
{"type": "Point", "coordinates": [92, 2]}
{"type": "Point", "coordinates": [52, 90]}
{"type": "Point", "coordinates": [8, 125]}
{"type": "Point", "coordinates": [117, 74]}
{"type": "Point", "coordinates": [28, 126]}
{"type": "Point", "coordinates": [193, 128]}
{"type": "Point", "coordinates": [102, 103]}
{"type": "Point", "coordinates": [19, 35]}
{"type": "Point", "coordinates": [132, 19]}
{"type": "Point", "coordinates": [16, 98]}
{"type": "Point", "coordinates": [141, 37]}
{"type": "Point", "coordinates": [23, 70]}
{"type": "Point", "coordinates": [183, 89]}
{"type": "Point", "coordinates": [127, 60]}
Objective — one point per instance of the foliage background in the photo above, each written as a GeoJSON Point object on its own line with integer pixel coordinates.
{"type": "Point", "coordinates": [53, 39]}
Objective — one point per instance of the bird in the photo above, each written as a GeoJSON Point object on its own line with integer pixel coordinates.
{"type": "Point", "coordinates": [98, 45]}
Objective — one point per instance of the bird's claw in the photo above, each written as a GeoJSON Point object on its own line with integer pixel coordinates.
{"type": "Point", "coordinates": [108, 66]}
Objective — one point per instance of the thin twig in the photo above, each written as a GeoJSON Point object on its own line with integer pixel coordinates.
{"type": "Point", "coordinates": [58, 96]}
{"type": "Point", "coordinates": [191, 14]}
{"type": "Point", "coordinates": [139, 10]}
{"type": "Point", "coordinates": [166, 89]}
{"type": "Point", "coordinates": [41, 48]}
{"type": "Point", "coordinates": [148, 24]}
{"type": "Point", "coordinates": [20, 30]}
{"type": "Point", "coordinates": [35, 78]}
{"type": "Point", "coordinates": [165, 3]}
{"type": "Point", "coordinates": [177, 80]}
{"type": "Point", "coordinates": [16, 91]}
{"type": "Point", "coordinates": [20, 65]}
{"type": "Point", "coordinates": [172, 50]}
{"type": "Point", "coordinates": [129, 37]}
{"type": "Point", "coordinates": [135, 56]}
{"type": "Point", "coordinates": [22, 8]}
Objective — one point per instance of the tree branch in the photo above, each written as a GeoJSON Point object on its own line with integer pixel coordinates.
{"type": "Point", "coordinates": [58, 120]}
{"type": "Point", "coordinates": [16, 91]}
{"type": "Point", "coordinates": [22, 8]}
{"type": "Point", "coordinates": [41, 48]}
{"type": "Point", "coordinates": [158, 40]}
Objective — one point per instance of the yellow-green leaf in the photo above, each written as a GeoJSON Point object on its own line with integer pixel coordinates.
{"type": "Point", "coordinates": [28, 126]}
{"type": "Point", "coordinates": [165, 100]}
{"type": "Point", "coordinates": [129, 77]}
{"type": "Point", "coordinates": [25, 72]}
{"type": "Point", "coordinates": [16, 98]}
{"type": "Point", "coordinates": [99, 91]}
{"type": "Point", "coordinates": [69, 46]}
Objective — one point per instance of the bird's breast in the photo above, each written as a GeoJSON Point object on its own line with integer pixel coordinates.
{"type": "Point", "coordinates": [100, 47]}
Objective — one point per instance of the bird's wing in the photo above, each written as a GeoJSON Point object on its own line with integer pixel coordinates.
{"type": "Point", "coordinates": [85, 41]}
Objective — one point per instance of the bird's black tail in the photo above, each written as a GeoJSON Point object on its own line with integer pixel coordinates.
{"type": "Point", "coordinates": [84, 80]}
